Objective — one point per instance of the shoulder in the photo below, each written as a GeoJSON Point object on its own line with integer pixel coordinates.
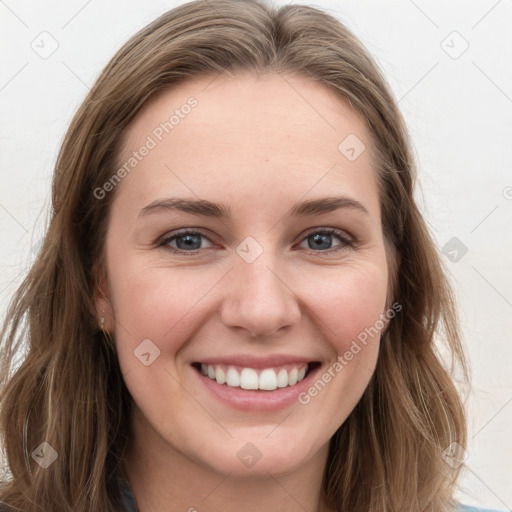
{"type": "Point", "coordinates": [470, 508]}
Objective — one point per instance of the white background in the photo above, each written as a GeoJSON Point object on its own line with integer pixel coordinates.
{"type": "Point", "coordinates": [459, 111]}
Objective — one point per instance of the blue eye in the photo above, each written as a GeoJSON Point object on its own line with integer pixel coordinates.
{"type": "Point", "coordinates": [319, 241]}
{"type": "Point", "coordinates": [186, 241]}
{"type": "Point", "coordinates": [322, 239]}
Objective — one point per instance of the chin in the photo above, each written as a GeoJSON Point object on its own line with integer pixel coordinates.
{"type": "Point", "coordinates": [250, 454]}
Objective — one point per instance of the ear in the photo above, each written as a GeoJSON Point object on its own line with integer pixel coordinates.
{"type": "Point", "coordinates": [102, 299]}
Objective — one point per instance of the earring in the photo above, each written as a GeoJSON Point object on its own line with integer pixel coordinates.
{"type": "Point", "coordinates": [102, 321]}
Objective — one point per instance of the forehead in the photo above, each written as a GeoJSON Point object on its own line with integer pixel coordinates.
{"type": "Point", "coordinates": [235, 136]}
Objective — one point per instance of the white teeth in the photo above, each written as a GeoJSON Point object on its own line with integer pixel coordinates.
{"type": "Point", "coordinates": [282, 379]}
{"type": "Point", "coordinates": [268, 379]}
{"type": "Point", "coordinates": [248, 378]}
{"type": "Point", "coordinates": [220, 375]}
{"type": "Point", "coordinates": [232, 378]}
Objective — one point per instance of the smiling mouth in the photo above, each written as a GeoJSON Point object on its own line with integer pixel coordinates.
{"type": "Point", "coordinates": [267, 379]}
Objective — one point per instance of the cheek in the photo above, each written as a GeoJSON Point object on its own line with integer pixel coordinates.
{"type": "Point", "coordinates": [347, 301]}
{"type": "Point", "coordinates": [156, 303]}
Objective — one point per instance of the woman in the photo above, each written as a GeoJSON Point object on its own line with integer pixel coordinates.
{"type": "Point", "coordinates": [237, 299]}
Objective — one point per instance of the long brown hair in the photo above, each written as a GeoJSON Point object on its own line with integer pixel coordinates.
{"type": "Point", "coordinates": [390, 454]}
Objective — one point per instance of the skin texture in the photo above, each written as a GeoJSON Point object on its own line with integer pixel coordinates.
{"type": "Point", "coordinates": [257, 144]}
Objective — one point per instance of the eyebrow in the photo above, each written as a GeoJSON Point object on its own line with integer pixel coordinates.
{"type": "Point", "coordinates": [205, 208]}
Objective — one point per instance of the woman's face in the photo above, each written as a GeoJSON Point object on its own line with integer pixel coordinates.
{"type": "Point", "coordinates": [245, 242]}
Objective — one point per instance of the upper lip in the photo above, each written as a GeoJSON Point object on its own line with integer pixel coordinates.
{"type": "Point", "coordinates": [248, 361]}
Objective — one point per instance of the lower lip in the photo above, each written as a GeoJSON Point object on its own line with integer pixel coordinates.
{"type": "Point", "coordinates": [258, 400]}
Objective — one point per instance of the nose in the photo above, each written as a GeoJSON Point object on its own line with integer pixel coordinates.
{"type": "Point", "coordinates": [258, 299]}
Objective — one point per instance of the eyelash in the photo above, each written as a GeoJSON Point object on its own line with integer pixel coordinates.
{"type": "Point", "coordinates": [345, 242]}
